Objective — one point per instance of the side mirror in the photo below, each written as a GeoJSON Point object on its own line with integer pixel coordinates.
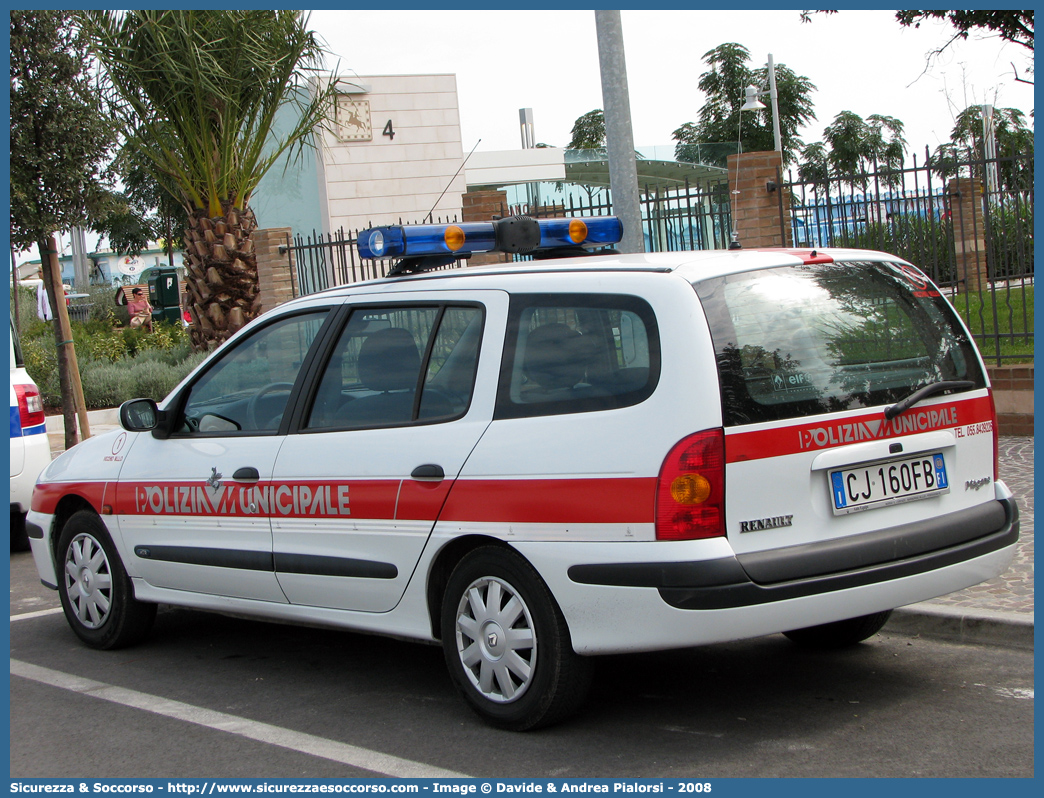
{"type": "Point", "coordinates": [139, 415]}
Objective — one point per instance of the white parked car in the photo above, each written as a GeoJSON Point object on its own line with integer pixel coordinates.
{"type": "Point", "coordinates": [30, 450]}
{"type": "Point", "coordinates": [539, 462]}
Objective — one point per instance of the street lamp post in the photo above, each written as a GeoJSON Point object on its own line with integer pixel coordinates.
{"type": "Point", "coordinates": [752, 103]}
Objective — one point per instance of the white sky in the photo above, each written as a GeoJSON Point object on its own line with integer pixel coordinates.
{"type": "Point", "coordinates": [861, 61]}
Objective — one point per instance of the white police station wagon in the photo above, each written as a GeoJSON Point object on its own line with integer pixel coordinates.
{"type": "Point", "coordinates": [538, 462]}
{"type": "Point", "coordinates": [30, 449]}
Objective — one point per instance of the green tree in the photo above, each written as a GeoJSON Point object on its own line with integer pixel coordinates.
{"type": "Point", "coordinates": [1014, 147]}
{"type": "Point", "coordinates": [163, 215]}
{"type": "Point", "coordinates": [718, 121]}
{"type": "Point", "coordinates": [196, 93]}
{"type": "Point", "coordinates": [855, 147]}
{"type": "Point", "coordinates": [1012, 26]}
{"type": "Point", "coordinates": [814, 165]}
{"type": "Point", "coordinates": [60, 139]}
{"type": "Point", "coordinates": [588, 132]}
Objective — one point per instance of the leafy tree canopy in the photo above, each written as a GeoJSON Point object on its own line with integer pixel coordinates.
{"type": "Point", "coordinates": [197, 92]}
{"type": "Point", "coordinates": [1014, 146]}
{"type": "Point", "coordinates": [588, 131]}
{"type": "Point", "coordinates": [852, 147]}
{"type": "Point", "coordinates": [1012, 26]}
{"type": "Point", "coordinates": [723, 86]}
{"type": "Point", "coordinates": [60, 133]}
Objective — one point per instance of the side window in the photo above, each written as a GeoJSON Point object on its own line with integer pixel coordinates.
{"type": "Point", "coordinates": [576, 354]}
{"type": "Point", "coordinates": [247, 389]}
{"type": "Point", "coordinates": [399, 365]}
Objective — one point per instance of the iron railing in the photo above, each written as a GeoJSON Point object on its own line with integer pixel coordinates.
{"type": "Point", "coordinates": [914, 211]}
{"type": "Point", "coordinates": [976, 242]}
{"type": "Point", "coordinates": [327, 261]}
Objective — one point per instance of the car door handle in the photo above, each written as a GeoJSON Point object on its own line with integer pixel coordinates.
{"type": "Point", "coordinates": [429, 471]}
{"type": "Point", "coordinates": [246, 474]}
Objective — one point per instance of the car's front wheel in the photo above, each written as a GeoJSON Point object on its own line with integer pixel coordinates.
{"type": "Point", "coordinates": [507, 645]}
{"type": "Point", "coordinates": [840, 633]}
{"type": "Point", "coordinates": [95, 591]}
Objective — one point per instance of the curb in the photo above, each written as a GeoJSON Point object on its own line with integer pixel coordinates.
{"type": "Point", "coordinates": [107, 417]}
{"type": "Point", "coordinates": [964, 625]}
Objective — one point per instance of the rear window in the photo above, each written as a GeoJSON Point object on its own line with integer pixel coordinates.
{"type": "Point", "coordinates": [822, 338]}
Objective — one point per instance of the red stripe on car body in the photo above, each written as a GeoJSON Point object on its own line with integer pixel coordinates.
{"type": "Point", "coordinates": [828, 434]}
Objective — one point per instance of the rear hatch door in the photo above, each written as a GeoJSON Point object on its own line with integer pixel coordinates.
{"type": "Point", "coordinates": [811, 358]}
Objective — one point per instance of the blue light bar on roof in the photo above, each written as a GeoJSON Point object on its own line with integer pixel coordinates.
{"type": "Point", "coordinates": [516, 234]}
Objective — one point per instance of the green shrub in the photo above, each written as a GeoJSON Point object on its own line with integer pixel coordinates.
{"type": "Point", "coordinates": [41, 362]}
{"type": "Point", "coordinates": [165, 337]}
{"type": "Point", "coordinates": [1011, 226]}
{"type": "Point", "coordinates": [98, 341]}
{"type": "Point", "coordinates": [105, 384]}
{"type": "Point", "coordinates": [102, 300]}
{"type": "Point", "coordinates": [927, 243]}
{"type": "Point", "coordinates": [153, 380]}
{"type": "Point", "coordinates": [26, 301]}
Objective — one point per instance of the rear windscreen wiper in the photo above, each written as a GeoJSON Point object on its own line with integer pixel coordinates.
{"type": "Point", "coordinates": [926, 391]}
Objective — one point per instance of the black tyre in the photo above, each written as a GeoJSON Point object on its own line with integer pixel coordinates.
{"type": "Point", "coordinates": [96, 593]}
{"type": "Point", "coordinates": [19, 538]}
{"type": "Point", "coordinates": [840, 633]}
{"type": "Point", "coordinates": [507, 645]}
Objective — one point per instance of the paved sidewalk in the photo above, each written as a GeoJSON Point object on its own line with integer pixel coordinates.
{"type": "Point", "coordinates": [999, 610]}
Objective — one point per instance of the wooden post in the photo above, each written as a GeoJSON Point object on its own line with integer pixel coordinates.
{"type": "Point", "coordinates": [52, 274]}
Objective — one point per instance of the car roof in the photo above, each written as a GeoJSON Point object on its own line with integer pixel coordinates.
{"type": "Point", "coordinates": [692, 266]}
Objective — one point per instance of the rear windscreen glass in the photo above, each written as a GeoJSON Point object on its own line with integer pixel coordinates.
{"type": "Point", "coordinates": [822, 338]}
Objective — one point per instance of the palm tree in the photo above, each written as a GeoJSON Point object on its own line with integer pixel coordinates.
{"type": "Point", "coordinates": [197, 93]}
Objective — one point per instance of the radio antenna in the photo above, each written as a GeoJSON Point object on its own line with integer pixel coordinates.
{"type": "Point", "coordinates": [450, 183]}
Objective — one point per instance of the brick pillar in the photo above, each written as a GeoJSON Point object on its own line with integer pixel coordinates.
{"type": "Point", "coordinates": [965, 197]}
{"type": "Point", "coordinates": [273, 267]}
{"type": "Point", "coordinates": [756, 209]}
{"type": "Point", "coordinates": [1013, 396]}
{"type": "Point", "coordinates": [482, 206]}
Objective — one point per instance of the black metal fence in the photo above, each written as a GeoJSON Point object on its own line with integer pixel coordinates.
{"type": "Point", "coordinates": [327, 261]}
{"type": "Point", "coordinates": [675, 219]}
{"type": "Point", "coordinates": [966, 222]}
{"type": "Point", "coordinates": [913, 212]}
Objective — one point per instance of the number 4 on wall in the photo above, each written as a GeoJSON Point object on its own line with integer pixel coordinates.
{"type": "Point", "coordinates": [388, 131]}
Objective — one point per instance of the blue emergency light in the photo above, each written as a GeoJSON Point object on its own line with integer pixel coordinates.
{"type": "Point", "coordinates": [521, 234]}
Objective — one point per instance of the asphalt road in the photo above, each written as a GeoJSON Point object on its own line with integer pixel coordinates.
{"type": "Point", "coordinates": [211, 696]}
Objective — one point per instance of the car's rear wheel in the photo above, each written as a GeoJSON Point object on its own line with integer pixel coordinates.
{"type": "Point", "coordinates": [840, 633]}
{"type": "Point", "coordinates": [95, 591]}
{"type": "Point", "coordinates": [507, 645]}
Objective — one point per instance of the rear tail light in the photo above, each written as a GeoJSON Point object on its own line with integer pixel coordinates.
{"type": "Point", "coordinates": [30, 405]}
{"type": "Point", "coordinates": [996, 437]}
{"type": "Point", "coordinates": [690, 494]}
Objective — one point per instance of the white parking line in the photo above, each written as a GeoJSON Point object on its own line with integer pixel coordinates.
{"type": "Point", "coordinates": [25, 616]}
{"type": "Point", "coordinates": [354, 756]}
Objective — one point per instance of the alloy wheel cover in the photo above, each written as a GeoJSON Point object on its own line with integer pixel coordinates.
{"type": "Point", "coordinates": [88, 581]}
{"type": "Point", "coordinates": [496, 640]}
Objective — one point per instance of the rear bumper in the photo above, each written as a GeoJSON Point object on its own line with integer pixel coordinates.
{"type": "Point", "coordinates": [36, 457]}
{"type": "Point", "coordinates": [808, 570]}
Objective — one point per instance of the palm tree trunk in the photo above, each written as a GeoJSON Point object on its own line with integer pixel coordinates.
{"type": "Point", "coordinates": [221, 274]}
